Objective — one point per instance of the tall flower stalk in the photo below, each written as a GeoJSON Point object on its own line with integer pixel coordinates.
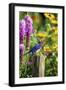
{"type": "Point", "coordinates": [28, 30]}
{"type": "Point", "coordinates": [22, 50]}
{"type": "Point", "coordinates": [22, 34]}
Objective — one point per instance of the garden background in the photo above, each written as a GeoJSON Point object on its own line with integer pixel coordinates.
{"type": "Point", "coordinates": [44, 62]}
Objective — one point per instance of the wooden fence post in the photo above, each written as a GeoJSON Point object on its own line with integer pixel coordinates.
{"type": "Point", "coordinates": [35, 66]}
{"type": "Point", "coordinates": [42, 66]}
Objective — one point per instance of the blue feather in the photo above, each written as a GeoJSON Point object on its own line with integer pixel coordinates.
{"type": "Point", "coordinates": [34, 49]}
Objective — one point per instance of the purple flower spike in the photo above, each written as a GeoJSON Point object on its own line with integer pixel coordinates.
{"type": "Point", "coordinates": [22, 48]}
{"type": "Point", "coordinates": [28, 19]}
{"type": "Point", "coordinates": [22, 27]}
{"type": "Point", "coordinates": [22, 30]}
{"type": "Point", "coordinates": [22, 24]}
{"type": "Point", "coordinates": [28, 30]}
{"type": "Point", "coordinates": [29, 24]}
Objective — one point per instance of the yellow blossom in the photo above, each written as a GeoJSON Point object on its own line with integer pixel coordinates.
{"type": "Point", "coordinates": [49, 15]}
{"type": "Point", "coordinates": [55, 46]}
{"type": "Point", "coordinates": [52, 16]}
{"type": "Point", "coordinates": [55, 29]}
{"type": "Point", "coordinates": [41, 35]}
{"type": "Point", "coordinates": [47, 49]}
{"type": "Point", "coordinates": [54, 21]}
{"type": "Point", "coordinates": [46, 15]}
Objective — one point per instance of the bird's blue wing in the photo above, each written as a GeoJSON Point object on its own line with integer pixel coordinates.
{"type": "Point", "coordinates": [35, 48]}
